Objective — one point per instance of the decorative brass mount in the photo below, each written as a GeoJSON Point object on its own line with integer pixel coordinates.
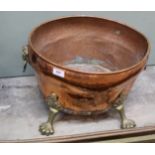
{"type": "Point", "coordinates": [25, 57]}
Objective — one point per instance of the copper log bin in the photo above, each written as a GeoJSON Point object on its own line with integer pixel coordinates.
{"type": "Point", "coordinates": [85, 65]}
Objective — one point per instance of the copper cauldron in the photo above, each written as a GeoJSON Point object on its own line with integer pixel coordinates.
{"type": "Point", "coordinates": [85, 65]}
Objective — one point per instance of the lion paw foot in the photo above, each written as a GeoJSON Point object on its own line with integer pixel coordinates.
{"type": "Point", "coordinates": [46, 129]}
{"type": "Point", "coordinates": [127, 123]}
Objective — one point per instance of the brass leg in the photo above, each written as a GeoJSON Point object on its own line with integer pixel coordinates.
{"type": "Point", "coordinates": [125, 122]}
{"type": "Point", "coordinates": [47, 127]}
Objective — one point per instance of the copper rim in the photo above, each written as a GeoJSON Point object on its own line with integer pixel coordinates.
{"type": "Point", "coordinates": [75, 71]}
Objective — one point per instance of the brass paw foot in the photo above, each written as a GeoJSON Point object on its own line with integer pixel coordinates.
{"type": "Point", "coordinates": [127, 123]}
{"type": "Point", "coordinates": [119, 106]}
{"type": "Point", "coordinates": [47, 127]}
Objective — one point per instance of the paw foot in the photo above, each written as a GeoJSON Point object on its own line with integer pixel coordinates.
{"type": "Point", "coordinates": [127, 123]}
{"type": "Point", "coordinates": [46, 129]}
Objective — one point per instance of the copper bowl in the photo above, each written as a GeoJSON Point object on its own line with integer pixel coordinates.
{"type": "Point", "coordinates": [86, 65]}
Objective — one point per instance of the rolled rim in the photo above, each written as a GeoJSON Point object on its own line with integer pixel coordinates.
{"type": "Point", "coordinates": [82, 72]}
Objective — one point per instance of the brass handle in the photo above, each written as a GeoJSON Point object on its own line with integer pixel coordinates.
{"type": "Point", "coordinates": [25, 57]}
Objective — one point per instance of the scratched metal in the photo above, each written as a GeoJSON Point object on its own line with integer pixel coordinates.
{"type": "Point", "coordinates": [22, 109]}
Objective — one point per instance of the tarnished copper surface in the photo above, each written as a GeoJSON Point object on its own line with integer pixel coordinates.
{"type": "Point", "coordinates": [99, 58]}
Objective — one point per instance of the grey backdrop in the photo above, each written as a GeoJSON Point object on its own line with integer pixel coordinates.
{"type": "Point", "coordinates": [16, 26]}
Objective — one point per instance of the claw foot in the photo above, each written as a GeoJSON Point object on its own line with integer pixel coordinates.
{"type": "Point", "coordinates": [127, 123]}
{"type": "Point", "coordinates": [46, 129]}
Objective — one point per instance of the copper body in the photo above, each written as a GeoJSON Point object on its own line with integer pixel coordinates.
{"type": "Point", "coordinates": [122, 50]}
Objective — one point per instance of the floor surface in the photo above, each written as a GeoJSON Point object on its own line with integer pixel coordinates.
{"type": "Point", "coordinates": [22, 109]}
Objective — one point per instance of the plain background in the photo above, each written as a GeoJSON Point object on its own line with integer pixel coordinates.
{"type": "Point", "coordinates": [16, 26]}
